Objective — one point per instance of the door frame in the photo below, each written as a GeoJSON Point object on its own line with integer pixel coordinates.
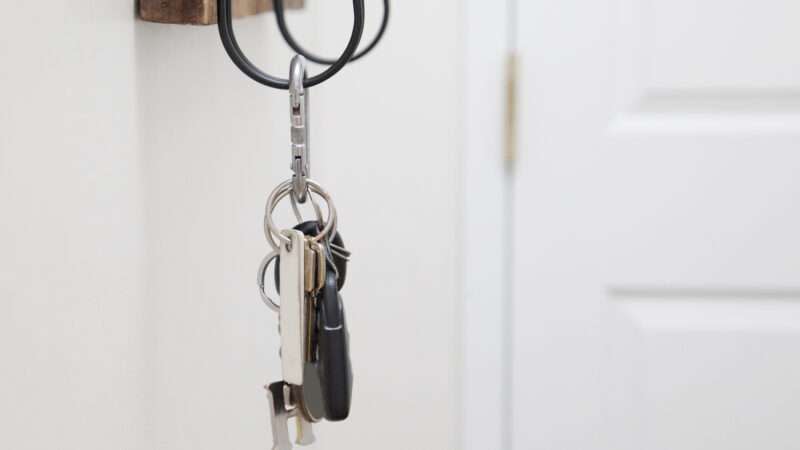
{"type": "Point", "coordinates": [485, 353]}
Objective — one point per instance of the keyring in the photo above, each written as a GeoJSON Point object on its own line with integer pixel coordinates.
{"type": "Point", "coordinates": [264, 266]}
{"type": "Point", "coordinates": [262, 275]}
{"type": "Point", "coordinates": [281, 191]}
{"type": "Point", "coordinates": [317, 212]}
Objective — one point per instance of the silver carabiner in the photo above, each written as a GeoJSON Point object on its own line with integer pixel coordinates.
{"type": "Point", "coordinates": [298, 112]}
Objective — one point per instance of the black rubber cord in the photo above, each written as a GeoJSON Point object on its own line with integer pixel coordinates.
{"type": "Point", "coordinates": [280, 17]}
{"type": "Point", "coordinates": [226, 33]}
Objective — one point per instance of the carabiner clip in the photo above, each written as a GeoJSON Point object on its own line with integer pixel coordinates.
{"type": "Point", "coordinates": [298, 111]}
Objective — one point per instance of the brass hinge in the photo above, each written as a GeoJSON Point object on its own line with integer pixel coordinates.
{"type": "Point", "coordinates": [512, 81]}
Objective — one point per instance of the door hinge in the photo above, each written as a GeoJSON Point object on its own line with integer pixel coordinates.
{"type": "Point", "coordinates": [510, 144]}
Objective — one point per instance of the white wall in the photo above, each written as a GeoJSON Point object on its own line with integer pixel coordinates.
{"type": "Point", "coordinates": [485, 215]}
{"type": "Point", "coordinates": [381, 147]}
{"type": "Point", "coordinates": [73, 371]}
{"type": "Point", "coordinates": [135, 160]}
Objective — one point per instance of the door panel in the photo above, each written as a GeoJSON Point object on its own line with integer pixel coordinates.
{"type": "Point", "coordinates": [657, 293]}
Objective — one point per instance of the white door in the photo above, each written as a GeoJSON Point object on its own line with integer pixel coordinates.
{"type": "Point", "coordinates": [657, 226]}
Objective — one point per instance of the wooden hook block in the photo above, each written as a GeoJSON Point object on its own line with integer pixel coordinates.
{"type": "Point", "coordinates": [201, 12]}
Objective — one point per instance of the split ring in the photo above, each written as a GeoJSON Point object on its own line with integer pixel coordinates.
{"type": "Point", "coordinates": [262, 285]}
{"type": "Point", "coordinates": [317, 212]}
{"type": "Point", "coordinates": [281, 191]}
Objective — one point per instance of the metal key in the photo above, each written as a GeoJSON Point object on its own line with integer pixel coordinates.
{"type": "Point", "coordinates": [316, 272]}
{"type": "Point", "coordinates": [302, 274]}
{"type": "Point", "coordinates": [337, 254]}
{"type": "Point", "coordinates": [310, 268]}
{"type": "Point", "coordinates": [315, 267]}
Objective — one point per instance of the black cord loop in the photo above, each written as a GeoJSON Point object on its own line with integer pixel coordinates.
{"type": "Point", "coordinates": [226, 33]}
{"type": "Point", "coordinates": [287, 35]}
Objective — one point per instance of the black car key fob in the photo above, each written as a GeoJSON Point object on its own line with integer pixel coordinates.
{"type": "Point", "coordinates": [333, 347]}
{"type": "Point", "coordinates": [328, 377]}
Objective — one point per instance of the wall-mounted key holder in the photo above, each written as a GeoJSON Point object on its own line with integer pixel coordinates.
{"type": "Point", "coordinates": [202, 12]}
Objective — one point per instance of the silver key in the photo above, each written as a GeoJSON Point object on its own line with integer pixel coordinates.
{"type": "Point", "coordinates": [305, 431]}
{"type": "Point", "coordinates": [302, 274]}
{"type": "Point", "coordinates": [315, 268]}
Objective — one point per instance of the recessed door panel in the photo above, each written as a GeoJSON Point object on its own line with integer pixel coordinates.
{"type": "Point", "coordinates": [657, 264]}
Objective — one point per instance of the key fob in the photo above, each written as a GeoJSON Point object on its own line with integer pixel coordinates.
{"type": "Point", "coordinates": [328, 379]}
{"type": "Point", "coordinates": [311, 228]}
{"type": "Point", "coordinates": [333, 346]}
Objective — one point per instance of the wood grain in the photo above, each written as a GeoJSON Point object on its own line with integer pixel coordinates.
{"type": "Point", "coordinates": [201, 12]}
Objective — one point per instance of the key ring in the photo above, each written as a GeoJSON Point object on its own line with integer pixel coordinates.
{"type": "Point", "coordinates": [262, 285]}
{"type": "Point", "coordinates": [265, 263]}
{"type": "Point", "coordinates": [318, 213]}
{"type": "Point", "coordinates": [278, 194]}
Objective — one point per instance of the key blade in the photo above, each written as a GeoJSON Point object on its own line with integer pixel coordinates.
{"type": "Point", "coordinates": [305, 431]}
{"type": "Point", "coordinates": [309, 267]}
{"type": "Point", "coordinates": [319, 252]}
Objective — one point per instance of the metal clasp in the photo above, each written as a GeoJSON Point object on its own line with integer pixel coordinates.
{"type": "Point", "coordinates": [298, 111]}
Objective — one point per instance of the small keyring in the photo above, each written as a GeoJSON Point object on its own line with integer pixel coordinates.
{"type": "Point", "coordinates": [281, 191]}
{"type": "Point", "coordinates": [317, 213]}
{"type": "Point", "coordinates": [262, 275]}
{"type": "Point", "coordinates": [264, 266]}
{"type": "Point", "coordinates": [280, 17]}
